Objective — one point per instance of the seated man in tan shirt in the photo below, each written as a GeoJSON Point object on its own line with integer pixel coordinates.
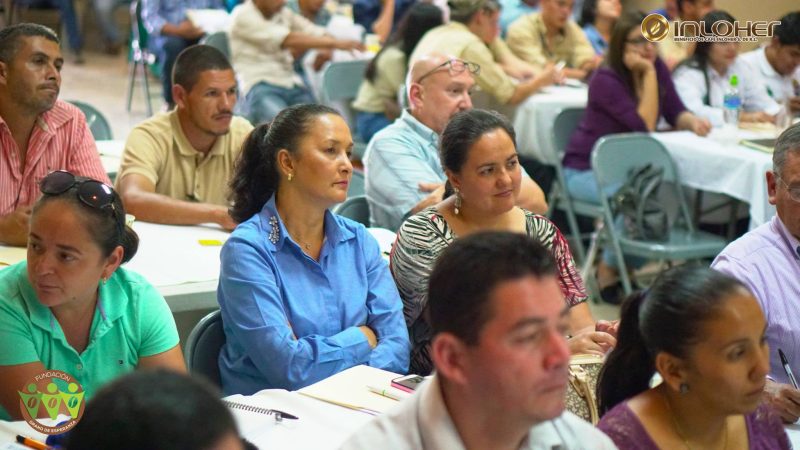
{"type": "Point", "coordinates": [549, 36]}
{"type": "Point", "coordinates": [473, 35]}
{"type": "Point", "coordinates": [176, 165]}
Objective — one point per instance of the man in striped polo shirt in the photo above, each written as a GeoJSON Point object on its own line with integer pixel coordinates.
{"type": "Point", "coordinates": [38, 132]}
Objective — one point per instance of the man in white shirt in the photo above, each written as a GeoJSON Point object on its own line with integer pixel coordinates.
{"type": "Point", "coordinates": [500, 354]}
{"type": "Point", "coordinates": [265, 37]}
{"type": "Point", "coordinates": [778, 63]}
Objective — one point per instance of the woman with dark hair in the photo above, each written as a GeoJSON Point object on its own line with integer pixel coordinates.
{"type": "Point", "coordinates": [703, 79]}
{"type": "Point", "coordinates": [630, 92]}
{"type": "Point", "coordinates": [376, 102]}
{"type": "Point", "coordinates": [479, 156]}
{"type": "Point", "coordinates": [704, 333]}
{"type": "Point", "coordinates": [156, 409]}
{"type": "Point", "coordinates": [597, 20]}
{"type": "Point", "coordinates": [70, 306]}
{"type": "Point", "coordinates": [304, 294]}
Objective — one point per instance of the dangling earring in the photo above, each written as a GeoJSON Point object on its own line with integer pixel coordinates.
{"type": "Point", "coordinates": [683, 388]}
{"type": "Point", "coordinates": [458, 200]}
{"type": "Point", "coordinates": [290, 176]}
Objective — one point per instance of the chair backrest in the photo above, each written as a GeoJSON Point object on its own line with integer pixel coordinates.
{"type": "Point", "coordinates": [218, 40]}
{"type": "Point", "coordinates": [138, 31]}
{"type": "Point", "coordinates": [354, 208]}
{"type": "Point", "coordinates": [98, 124]}
{"type": "Point", "coordinates": [614, 157]}
{"type": "Point", "coordinates": [341, 80]}
{"type": "Point", "coordinates": [203, 347]}
{"type": "Point", "coordinates": [566, 123]}
{"type": "Point", "coordinates": [357, 182]}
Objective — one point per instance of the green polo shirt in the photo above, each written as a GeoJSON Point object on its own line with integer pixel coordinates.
{"type": "Point", "coordinates": [132, 320]}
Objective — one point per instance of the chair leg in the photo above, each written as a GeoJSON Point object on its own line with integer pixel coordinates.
{"type": "Point", "coordinates": [131, 81]}
{"type": "Point", "coordinates": [576, 234]}
{"type": "Point", "coordinates": [147, 90]}
{"type": "Point", "coordinates": [594, 245]}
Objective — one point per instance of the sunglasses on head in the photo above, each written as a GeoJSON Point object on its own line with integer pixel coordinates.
{"type": "Point", "coordinates": [90, 192]}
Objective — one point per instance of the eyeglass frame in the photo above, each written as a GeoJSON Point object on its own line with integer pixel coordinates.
{"type": "Point", "coordinates": [108, 205]}
{"type": "Point", "coordinates": [794, 192]}
{"type": "Point", "coordinates": [473, 68]}
{"type": "Point", "coordinates": [639, 42]}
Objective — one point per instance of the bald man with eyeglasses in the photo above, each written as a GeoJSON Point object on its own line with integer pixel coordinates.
{"type": "Point", "coordinates": [403, 172]}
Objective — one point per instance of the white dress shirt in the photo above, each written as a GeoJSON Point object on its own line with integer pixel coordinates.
{"type": "Point", "coordinates": [779, 87]}
{"type": "Point", "coordinates": [423, 423]}
{"type": "Point", "coordinates": [691, 87]}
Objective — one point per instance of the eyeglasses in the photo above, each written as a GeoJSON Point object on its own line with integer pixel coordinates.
{"type": "Point", "coordinates": [454, 67]}
{"type": "Point", "coordinates": [638, 42]}
{"type": "Point", "coordinates": [93, 193]}
{"type": "Point", "coordinates": [794, 192]}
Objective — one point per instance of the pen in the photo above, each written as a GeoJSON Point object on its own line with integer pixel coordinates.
{"type": "Point", "coordinates": [28, 442]}
{"type": "Point", "coordinates": [389, 393]}
{"type": "Point", "coordinates": [788, 369]}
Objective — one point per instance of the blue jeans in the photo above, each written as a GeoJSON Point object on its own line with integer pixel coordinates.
{"type": "Point", "coordinates": [369, 123]}
{"type": "Point", "coordinates": [581, 185]}
{"type": "Point", "coordinates": [67, 10]}
{"type": "Point", "coordinates": [168, 48]}
{"type": "Point", "coordinates": [264, 101]}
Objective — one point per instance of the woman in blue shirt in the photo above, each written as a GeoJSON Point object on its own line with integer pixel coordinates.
{"type": "Point", "coordinates": [597, 20]}
{"type": "Point", "coordinates": [304, 294]}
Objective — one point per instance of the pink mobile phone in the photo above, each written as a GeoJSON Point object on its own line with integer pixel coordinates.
{"type": "Point", "coordinates": [408, 383]}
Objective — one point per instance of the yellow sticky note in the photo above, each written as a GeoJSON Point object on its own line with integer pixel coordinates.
{"type": "Point", "coordinates": [210, 242]}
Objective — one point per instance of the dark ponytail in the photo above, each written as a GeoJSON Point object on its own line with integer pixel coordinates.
{"type": "Point", "coordinates": [669, 318]}
{"type": "Point", "coordinates": [256, 176]}
{"type": "Point", "coordinates": [628, 368]}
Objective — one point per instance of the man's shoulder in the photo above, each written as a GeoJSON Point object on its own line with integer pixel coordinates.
{"type": "Point", "coordinates": [570, 432]}
{"type": "Point", "coordinates": [762, 241]}
{"type": "Point", "coordinates": [240, 129]}
{"type": "Point", "coordinates": [526, 23]}
{"type": "Point", "coordinates": [397, 429]}
{"type": "Point", "coordinates": [398, 133]}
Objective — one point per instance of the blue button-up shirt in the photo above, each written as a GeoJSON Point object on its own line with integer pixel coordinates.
{"type": "Point", "coordinates": [157, 13]}
{"type": "Point", "coordinates": [291, 321]}
{"type": "Point", "coordinates": [596, 39]}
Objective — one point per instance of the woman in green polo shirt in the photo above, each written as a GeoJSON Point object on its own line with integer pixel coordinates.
{"type": "Point", "coordinates": [70, 307]}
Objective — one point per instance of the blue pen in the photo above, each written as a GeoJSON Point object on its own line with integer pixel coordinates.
{"type": "Point", "coordinates": [788, 369]}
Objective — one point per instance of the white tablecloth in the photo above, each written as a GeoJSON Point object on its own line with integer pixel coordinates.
{"type": "Point", "coordinates": [710, 164]}
{"type": "Point", "coordinates": [714, 164]}
{"type": "Point", "coordinates": [534, 119]}
{"type": "Point", "coordinates": [172, 259]}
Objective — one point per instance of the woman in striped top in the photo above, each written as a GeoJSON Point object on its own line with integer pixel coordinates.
{"type": "Point", "coordinates": [479, 156]}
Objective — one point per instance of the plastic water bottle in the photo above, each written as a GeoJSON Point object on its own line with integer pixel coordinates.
{"type": "Point", "coordinates": [732, 102]}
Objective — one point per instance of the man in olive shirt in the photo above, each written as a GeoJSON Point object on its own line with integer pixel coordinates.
{"type": "Point", "coordinates": [473, 35]}
{"type": "Point", "coordinates": [549, 36]}
{"type": "Point", "coordinates": [176, 165]}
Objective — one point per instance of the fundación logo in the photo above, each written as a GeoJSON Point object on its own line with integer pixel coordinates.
{"type": "Point", "coordinates": [655, 28]}
{"type": "Point", "coordinates": [49, 394]}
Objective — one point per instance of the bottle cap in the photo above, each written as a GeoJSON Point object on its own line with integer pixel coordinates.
{"type": "Point", "coordinates": [734, 81]}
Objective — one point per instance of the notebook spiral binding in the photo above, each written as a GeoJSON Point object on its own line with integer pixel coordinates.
{"type": "Point", "coordinates": [242, 406]}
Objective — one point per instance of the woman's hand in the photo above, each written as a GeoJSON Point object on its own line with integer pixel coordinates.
{"type": "Point", "coordinates": [371, 338]}
{"type": "Point", "coordinates": [701, 126]}
{"type": "Point", "coordinates": [592, 342]}
{"type": "Point", "coordinates": [636, 63]}
{"type": "Point", "coordinates": [611, 327]}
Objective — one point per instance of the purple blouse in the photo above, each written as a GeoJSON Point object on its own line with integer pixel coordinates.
{"type": "Point", "coordinates": [764, 430]}
{"type": "Point", "coordinates": [612, 109]}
